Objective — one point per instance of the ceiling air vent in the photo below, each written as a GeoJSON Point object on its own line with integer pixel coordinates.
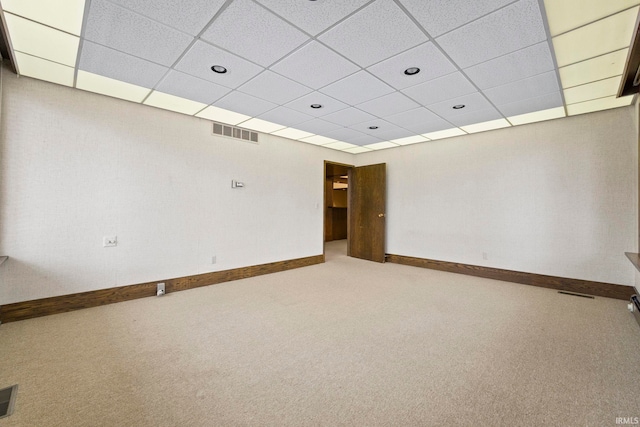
{"type": "Point", "coordinates": [234, 132]}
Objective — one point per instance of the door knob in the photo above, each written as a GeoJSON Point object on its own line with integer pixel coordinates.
{"type": "Point", "coordinates": [380, 215]}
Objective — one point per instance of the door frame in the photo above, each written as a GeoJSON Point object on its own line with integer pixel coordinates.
{"type": "Point", "coordinates": [324, 200]}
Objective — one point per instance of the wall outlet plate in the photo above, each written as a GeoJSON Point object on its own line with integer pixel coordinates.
{"type": "Point", "coordinates": [160, 289]}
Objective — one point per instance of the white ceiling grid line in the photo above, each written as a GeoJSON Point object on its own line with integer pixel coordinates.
{"type": "Point", "coordinates": [499, 62]}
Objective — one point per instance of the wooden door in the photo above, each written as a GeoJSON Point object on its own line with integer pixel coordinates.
{"type": "Point", "coordinates": [367, 202]}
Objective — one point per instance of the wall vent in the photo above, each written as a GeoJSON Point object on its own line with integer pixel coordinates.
{"type": "Point", "coordinates": [235, 132]}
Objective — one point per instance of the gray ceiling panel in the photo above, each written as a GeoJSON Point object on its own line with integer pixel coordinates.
{"type": "Point", "coordinates": [348, 117]}
{"type": "Point", "coordinates": [329, 104]}
{"type": "Point", "coordinates": [440, 16]}
{"type": "Point", "coordinates": [189, 16]}
{"type": "Point", "coordinates": [189, 87]}
{"type": "Point", "coordinates": [245, 104]}
{"type": "Point", "coordinates": [348, 135]}
{"type": "Point", "coordinates": [285, 116]}
{"type": "Point", "coordinates": [523, 89]}
{"type": "Point", "coordinates": [477, 116]}
{"type": "Point", "coordinates": [377, 32]}
{"type": "Point", "coordinates": [514, 27]}
{"type": "Point", "coordinates": [515, 66]}
{"type": "Point", "coordinates": [447, 87]}
{"type": "Point", "coordinates": [120, 66]}
{"type": "Point", "coordinates": [313, 16]}
{"type": "Point", "coordinates": [318, 126]}
{"type": "Point", "coordinates": [274, 87]}
{"type": "Point", "coordinates": [357, 88]}
{"type": "Point", "coordinates": [472, 102]}
{"type": "Point", "coordinates": [419, 120]}
{"type": "Point", "coordinates": [365, 140]}
{"type": "Point", "coordinates": [388, 105]}
{"type": "Point", "coordinates": [254, 33]}
{"type": "Point", "coordinates": [385, 130]}
{"type": "Point", "coordinates": [427, 57]}
{"type": "Point", "coordinates": [315, 65]}
{"type": "Point", "coordinates": [199, 59]}
{"type": "Point", "coordinates": [116, 27]}
{"type": "Point", "coordinates": [544, 102]}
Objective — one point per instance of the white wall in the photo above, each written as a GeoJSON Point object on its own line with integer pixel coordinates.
{"type": "Point", "coordinates": [556, 198]}
{"type": "Point", "coordinates": [76, 166]}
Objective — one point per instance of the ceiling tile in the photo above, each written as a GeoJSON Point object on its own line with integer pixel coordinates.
{"type": "Point", "coordinates": [39, 40]}
{"type": "Point", "coordinates": [388, 105]}
{"type": "Point", "coordinates": [261, 125]}
{"type": "Point", "coordinates": [410, 140]}
{"type": "Point", "coordinates": [329, 104]}
{"type": "Point", "coordinates": [441, 16]}
{"type": "Point", "coordinates": [110, 87]}
{"type": "Point", "coordinates": [507, 30]}
{"type": "Point", "coordinates": [114, 26]}
{"type": "Point", "coordinates": [385, 130]}
{"type": "Point", "coordinates": [42, 69]}
{"type": "Point", "coordinates": [346, 134]}
{"type": "Point", "coordinates": [202, 56]}
{"type": "Point", "coordinates": [119, 66]}
{"type": "Point", "coordinates": [189, 16]}
{"type": "Point", "coordinates": [447, 133]}
{"type": "Point", "coordinates": [447, 87]}
{"type": "Point", "coordinates": [598, 38]}
{"type": "Point", "coordinates": [477, 109]}
{"type": "Point", "coordinates": [515, 66]}
{"type": "Point", "coordinates": [193, 88]}
{"type": "Point", "coordinates": [586, 92]}
{"type": "Point", "coordinates": [245, 104]}
{"type": "Point", "coordinates": [65, 15]}
{"type": "Point", "coordinates": [339, 145]}
{"type": "Point", "coordinates": [565, 15]}
{"type": "Point", "coordinates": [292, 133]}
{"type": "Point", "coordinates": [376, 32]}
{"type": "Point", "coordinates": [601, 67]}
{"type": "Point", "coordinates": [254, 33]}
{"type": "Point", "coordinates": [537, 116]}
{"type": "Point", "coordinates": [419, 120]}
{"type": "Point", "coordinates": [317, 126]}
{"type": "Point", "coordinates": [221, 115]}
{"type": "Point", "coordinates": [357, 88]}
{"type": "Point", "coordinates": [318, 140]}
{"type": "Point", "coordinates": [522, 89]}
{"type": "Point", "coordinates": [485, 126]}
{"type": "Point", "coordinates": [599, 104]}
{"type": "Point", "coordinates": [313, 16]}
{"type": "Point", "coordinates": [315, 65]}
{"type": "Point", "coordinates": [348, 117]}
{"type": "Point", "coordinates": [382, 145]}
{"type": "Point", "coordinates": [524, 106]}
{"type": "Point", "coordinates": [274, 87]}
{"type": "Point", "coordinates": [173, 103]}
{"type": "Point", "coordinates": [427, 57]}
{"type": "Point", "coordinates": [285, 116]}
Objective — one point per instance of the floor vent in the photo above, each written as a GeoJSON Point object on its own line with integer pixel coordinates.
{"type": "Point", "coordinates": [234, 132]}
{"type": "Point", "coordinates": [576, 295]}
{"type": "Point", "coordinates": [7, 400]}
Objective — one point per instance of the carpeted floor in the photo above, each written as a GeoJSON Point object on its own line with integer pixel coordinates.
{"type": "Point", "coordinates": [345, 343]}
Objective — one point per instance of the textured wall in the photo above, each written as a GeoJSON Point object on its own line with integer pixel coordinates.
{"type": "Point", "coordinates": [557, 197]}
{"type": "Point", "coordinates": [76, 166]}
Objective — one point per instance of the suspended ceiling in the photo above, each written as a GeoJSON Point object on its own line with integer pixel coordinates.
{"type": "Point", "coordinates": [501, 63]}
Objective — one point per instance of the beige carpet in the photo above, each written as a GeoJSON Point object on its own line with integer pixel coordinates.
{"type": "Point", "coordinates": [346, 343]}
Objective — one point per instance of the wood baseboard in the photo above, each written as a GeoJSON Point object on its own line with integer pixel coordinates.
{"type": "Point", "coordinates": [64, 303]}
{"type": "Point", "coordinates": [608, 290]}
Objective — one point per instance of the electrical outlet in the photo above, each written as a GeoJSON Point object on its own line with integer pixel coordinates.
{"type": "Point", "coordinates": [108, 241]}
{"type": "Point", "coordinates": [213, 259]}
{"type": "Point", "coordinates": [160, 289]}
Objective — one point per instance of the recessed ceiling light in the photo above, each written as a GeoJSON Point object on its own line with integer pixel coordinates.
{"type": "Point", "coordinates": [412, 71]}
{"type": "Point", "coordinates": [459, 106]}
{"type": "Point", "coordinates": [373, 127]}
{"type": "Point", "coordinates": [218, 69]}
{"type": "Point", "coordinates": [316, 105]}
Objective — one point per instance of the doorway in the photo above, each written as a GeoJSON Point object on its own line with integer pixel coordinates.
{"type": "Point", "coordinates": [354, 210]}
